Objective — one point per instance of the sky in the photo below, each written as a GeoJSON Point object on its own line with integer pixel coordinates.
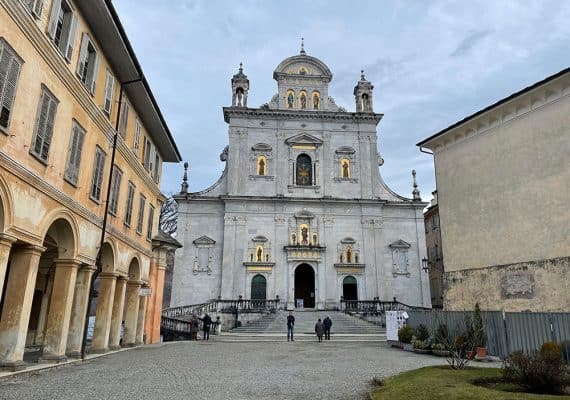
{"type": "Point", "coordinates": [432, 63]}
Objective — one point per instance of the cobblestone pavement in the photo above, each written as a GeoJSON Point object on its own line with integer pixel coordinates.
{"type": "Point", "coordinates": [212, 371]}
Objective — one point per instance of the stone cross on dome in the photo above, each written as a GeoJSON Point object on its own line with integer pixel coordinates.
{"type": "Point", "coordinates": [302, 52]}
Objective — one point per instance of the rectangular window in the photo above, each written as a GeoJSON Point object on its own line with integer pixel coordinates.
{"type": "Point", "coordinates": [140, 218]}
{"type": "Point", "coordinates": [137, 140]}
{"type": "Point", "coordinates": [109, 88]}
{"type": "Point", "coordinates": [97, 180]}
{"type": "Point", "coordinates": [35, 7]}
{"type": "Point", "coordinates": [62, 27]}
{"type": "Point", "coordinates": [88, 63]}
{"type": "Point", "coordinates": [150, 167]}
{"type": "Point", "coordinates": [10, 65]}
{"type": "Point", "coordinates": [124, 119]}
{"type": "Point", "coordinates": [44, 125]}
{"type": "Point", "coordinates": [150, 222]}
{"type": "Point", "coordinates": [156, 167]}
{"type": "Point", "coordinates": [129, 205]}
{"type": "Point", "coordinates": [115, 189]}
{"type": "Point", "coordinates": [74, 153]}
{"type": "Point", "coordinates": [147, 149]}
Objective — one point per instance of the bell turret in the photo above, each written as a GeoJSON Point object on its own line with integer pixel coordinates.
{"type": "Point", "coordinates": [363, 95]}
{"type": "Point", "coordinates": [240, 88]}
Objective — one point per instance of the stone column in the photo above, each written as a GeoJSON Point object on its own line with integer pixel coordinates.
{"type": "Point", "coordinates": [104, 312]}
{"type": "Point", "coordinates": [140, 320]}
{"type": "Point", "coordinates": [118, 307]}
{"type": "Point", "coordinates": [59, 315]}
{"type": "Point", "coordinates": [18, 305]}
{"type": "Point", "coordinates": [131, 317]}
{"type": "Point", "coordinates": [154, 302]}
{"type": "Point", "coordinates": [5, 247]}
{"type": "Point", "coordinates": [79, 311]}
{"type": "Point", "coordinates": [44, 308]}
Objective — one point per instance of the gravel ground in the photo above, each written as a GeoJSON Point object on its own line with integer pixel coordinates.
{"type": "Point", "coordinates": [212, 371]}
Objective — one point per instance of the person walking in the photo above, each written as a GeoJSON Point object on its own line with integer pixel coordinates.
{"type": "Point", "coordinates": [319, 330]}
{"type": "Point", "coordinates": [206, 323]}
{"type": "Point", "coordinates": [194, 327]}
{"type": "Point", "coordinates": [290, 325]}
{"type": "Point", "coordinates": [327, 322]}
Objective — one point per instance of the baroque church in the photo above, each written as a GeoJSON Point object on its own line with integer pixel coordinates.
{"type": "Point", "coordinates": [300, 213]}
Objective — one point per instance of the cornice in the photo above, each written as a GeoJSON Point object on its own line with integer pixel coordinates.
{"type": "Point", "coordinates": [18, 170]}
{"type": "Point", "coordinates": [61, 69]}
{"type": "Point", "coordinates": [297, 114]}
{"type": "Point", "coordinates": [502, 113]}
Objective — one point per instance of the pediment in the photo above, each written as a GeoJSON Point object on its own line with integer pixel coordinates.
{"type": "Point", "coordinates": [400, 244]}
{"type": "Point", "coordinates": [259, 238]}
{"type": "Point", "coordinates": [345, 150]}
{"type": "Point", "coordinates": [304, 214]}
{"type": "Point", "coordinates": [261, 147]}
{"type": "Point", "coordinates": [204, 240]}
{"type": "Point", "coordinates": [348, 240]}
{"type": "Point", "coordinates": [304, 139]}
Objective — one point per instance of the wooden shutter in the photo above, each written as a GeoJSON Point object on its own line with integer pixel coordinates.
{"type": "Point", "coordinates": [151, 160]}
{"type": "Point", "coordinates": [150, 222]}
{"type": "Point", "coordinates": [37, 7]}
{"type": "Point", "coordinates": [94, 69]}
{"type": "Point", "coordinates": [129, 207]}
{"type": "Point", "coordinates": [75, 150]}
{"type": "Point", "coordinates": [41, 123]}
{"type": "Point", "coordinates": [83, 53]}
{"type": "Point", "coordinates": [109, 87]}
{"type": "Point", "coordinates": [124, 119]}
{"type": "Point", "coordinates": [48, 128]}
{"type": "Point", "coordinates": [9, 72]}
{"type": "Point", "coordinates": [137, 137]}
{"type": "Point", "coordinates": [55, 8]}
{"type": "Point", "coordinates": [70, 38]}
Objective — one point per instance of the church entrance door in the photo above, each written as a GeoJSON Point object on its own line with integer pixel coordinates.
{"type": "Point", "coordinates": [305, 285]}
{"type": "Point", "coordinates": [349, 288]}
{"type": "Point", "coordinates": [258, 287]}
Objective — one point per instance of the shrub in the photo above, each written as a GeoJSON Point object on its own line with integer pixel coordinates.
{"type": "Point", "coordinates": [479, 335]}
{"type": "Point", "coordinates": [439, 346]}
{"type": "Point", "coordinates": [541, 372]}
{"type": "Point", "coordinates": [422, 332]}
{"type": "Point", "coordinates": [405, 334]}
{"type": "Point", "coordinates": [442, 334]}
{"type": "Point", "coordinates": [420, 344]}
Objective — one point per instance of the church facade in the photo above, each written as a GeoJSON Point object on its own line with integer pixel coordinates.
{"type": "Point", "coordinates": [300, 212]}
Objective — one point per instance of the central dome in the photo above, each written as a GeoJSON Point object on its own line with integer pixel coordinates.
{"type": "Point", "coordinates": [302, 65]}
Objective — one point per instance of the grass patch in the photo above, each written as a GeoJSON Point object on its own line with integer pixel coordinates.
{"type": "Point", "coordinates": [435, 383]}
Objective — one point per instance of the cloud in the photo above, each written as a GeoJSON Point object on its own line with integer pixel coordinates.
{"type": "Point", "coordinates": [469, 42]}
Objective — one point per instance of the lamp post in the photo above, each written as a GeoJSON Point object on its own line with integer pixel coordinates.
{"type": "Point", "coordinates": [98, 266]}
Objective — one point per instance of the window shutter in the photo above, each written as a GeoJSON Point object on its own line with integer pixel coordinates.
{"type": "Point", "coordinates": [94, 73]}
{"type": "Point", "coordinates": [82, 54]}
{"type": "Point", "coordinates": [55, 7]}
{"type": "Point", "coordinates": [5, 58]}
{"type": "Point", "coordinates": [71, 38]}
{"type": "Point", "coordinates": [78, 151]}
{"type": "Point", "coordinates": [8, 86]}
{"type": "Point", "coordinates": [151, 160]}
{"type": "Point", "coordinates": [41, 123]}
{"type": "Point", "coordinates": [109, 86]}
{"type": "Point", "coordinates": [37, 7]}
{"type": "Point", "coordinates": [48, 128]}
{"type": "Point", "coordinates": [71, 154]}
{"type": "Point", "coordinates": [124, 119]}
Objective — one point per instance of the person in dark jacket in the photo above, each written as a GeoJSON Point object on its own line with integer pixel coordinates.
{"type": "Point", "coordinates": [290, 325]}
{"type": "Point", "coordinates": [206, 323]}
{"type": "Point", "coordinates": [194, 327]}
{"type": "Point", "coordinates": [319, 330]}
{"type": "Point", "coordinates": [327, 322]}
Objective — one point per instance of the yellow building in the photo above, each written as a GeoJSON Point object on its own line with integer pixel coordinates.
{"type": "Point", "coordinates": [503, 184]}
{"type": "Point", "coordinates": [61, 67]}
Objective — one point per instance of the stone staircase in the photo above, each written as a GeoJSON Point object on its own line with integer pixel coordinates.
{"type": "Point", "coordinates": [273, 327]}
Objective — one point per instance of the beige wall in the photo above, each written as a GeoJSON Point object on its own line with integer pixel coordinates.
{"type": "Point", "coordinates": [503, 194]}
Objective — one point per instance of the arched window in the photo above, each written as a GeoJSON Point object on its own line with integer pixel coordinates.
{"type": "Point", "coordinates": [303, 100]}
{"type": "Point", "coordinates": [316, 101]}
{"type": "Point", "coordinates": [258, 287]}
{"type": "Point", "coordinates": [261, 165]}
{"type": "Point", "coordinates": [304, 170]}
{"type": "Point", "coordinates": [345, 168]}
{"type": "Point", "coordinates": [290, 99]}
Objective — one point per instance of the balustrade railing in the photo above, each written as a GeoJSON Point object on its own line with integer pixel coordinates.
{"type": "Point", "coordinates": [375, 306]}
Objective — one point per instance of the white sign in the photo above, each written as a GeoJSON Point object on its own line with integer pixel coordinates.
{"type": "Point", "coordinates": [394, 321]}
{"type": "Point", "coordinates": [145, 291]}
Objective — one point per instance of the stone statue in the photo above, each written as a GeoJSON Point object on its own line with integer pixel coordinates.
{"type": "Point", "coordinates": [259, 254]}
{"type": "Point", "coordinates": [304, 235]}
{"type": "Point", "coordinates": [315, 102]}
{"type": "Point", "coordinates": [294, 239]}
{"type": "Point", "coordinates": [290, 100]}
{"type": "Point", "coordinates": [345, 169]}
{"type": "Point", "coordinates": [303, 101]}
{"type": "Point", "coordinates": [261, 167]}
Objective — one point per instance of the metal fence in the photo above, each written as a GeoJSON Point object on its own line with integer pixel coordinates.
{"type": "Point", "coordinates": [506, 332]}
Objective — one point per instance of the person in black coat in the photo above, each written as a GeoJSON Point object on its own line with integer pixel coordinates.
{"type": "Point", "coordinates": [206, 323]}
{"type": "Point", "coordinates": [290, 325]}
{"type": "Point", "coordinates": [327, 323]}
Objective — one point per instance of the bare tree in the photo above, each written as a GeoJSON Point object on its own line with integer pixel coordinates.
{"type": "Point", "coordinates": [169, 216]}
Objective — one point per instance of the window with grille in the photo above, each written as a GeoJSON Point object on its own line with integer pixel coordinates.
{"type": "Point", "coordinates": [74, 153]}
{"type": "Point", "coordinates": [44, 125]}
{"type": "Point", "coordinates": [62, 27]}
{"type": "Point", "coordinates": [115, 189]}
{"type": "Point", "coordinates": [10, 65]}
{"type": "Point", "coordinates": [97, 181]}
{"type": "Point", "coordinates": [129, 205]}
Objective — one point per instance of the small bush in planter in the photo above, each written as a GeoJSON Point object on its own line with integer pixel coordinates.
{"type": "Point", "coordinates": [405, 334]}
{"type": "Point", "coordinates": [419, 344]}
{"type": "Point", "coordinates": [479, 335]}
{"type": "Point", "coordinates": [442, 334]}
{"type": "Point", "coordinates": [422, 332]}
{"type": "Point", "coordinates": [541, 372]}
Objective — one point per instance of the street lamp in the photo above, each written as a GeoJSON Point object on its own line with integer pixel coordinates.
{"type": "Point", "coordinates": [98, 265]}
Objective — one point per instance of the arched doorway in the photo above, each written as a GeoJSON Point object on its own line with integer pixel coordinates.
{"type": "Point", "coordinates": [258, 287]}
{"type": "Point", "coordinates": [349, 288]}
{"type": "Point", "coordinates": [305, 285]}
